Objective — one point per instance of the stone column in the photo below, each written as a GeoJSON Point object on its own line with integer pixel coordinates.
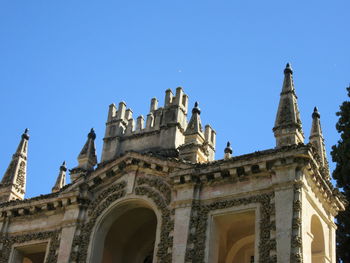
{"type": "Point", "coordinates": [69, 225]}
{"type": "Point", "coordinates": [283, 181]}
{"type": "Point", "coordinates": [284, 198]}
{"type": "Point", "coordinates": [332, 242]}
{"type": "Point", "coordinates": [183, 207]}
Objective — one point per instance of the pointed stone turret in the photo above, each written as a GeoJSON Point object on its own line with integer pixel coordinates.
{"type": "Point", "coordinates": [316, 137]}
{"type": "Point", "coordinates": [13, 183]}
{"type": "Point", "coordinates": [61, 179]}
{"type": "Point", "coordinates": [288, 127]}
{"type": "Point", "coordinates": [87, 158]}
{"type": "Point", "coordinates": [198, 146]}
{"type": "Point", "coordinates": [228, 151]}
{"type": "Point", "coordinates": [195, 125]}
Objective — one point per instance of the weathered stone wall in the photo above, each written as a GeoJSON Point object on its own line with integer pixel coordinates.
{"type": "Point", "coordinates": [281, 187]}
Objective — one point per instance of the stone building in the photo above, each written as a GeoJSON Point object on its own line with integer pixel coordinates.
{"type": "Point", "coordinates": [159, 195]}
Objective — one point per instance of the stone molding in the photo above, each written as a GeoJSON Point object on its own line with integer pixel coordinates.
{"type": "Point", "coordinates": [83, 232]}
{"type": "Point", "coordinates": [10, 240]}
{"type": "Point", "coordinates": [146, 187]}
{"type": "Point", "coordinates": [196, 241]}
{"type": "Point", "coordinates": [153, 188]}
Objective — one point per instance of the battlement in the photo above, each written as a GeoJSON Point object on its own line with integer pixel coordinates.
{"type": "Point", "coordinates": [163, 130]}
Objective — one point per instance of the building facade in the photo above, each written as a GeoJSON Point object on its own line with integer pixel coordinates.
{"type": "Point", "coordinates": [159, 195]}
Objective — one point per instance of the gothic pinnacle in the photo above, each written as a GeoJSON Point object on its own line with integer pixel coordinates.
{"type": "Point", "coordinates": [25, 135]}
{"type": "Point", "coordinates": [63, 167]}
{"type": "Point", "coordinates": [228, 148]}
{"type": "Point", "coordinates": [87, 158]}
{"type": "Point", "coordinates": [316, 114]}
{"type": "Point", "coordinates": [288, 69]}
{"type": "Point", "coordinates": [196, 109]}
{"type": "Point", "coordinates": [14, 179]}
{"type": "Point", "coordinates": [288, 128]}
{"type": "Point", "coordinates": [92, 134]}
{"type": "Point", "coordinates": [195, 125]}
{"type": "Point", "coordinates": [61, 179]}
{"type": "Point", "coordinates": [316, 137]}
{"type": "Point", "coordinates": [228, 151]}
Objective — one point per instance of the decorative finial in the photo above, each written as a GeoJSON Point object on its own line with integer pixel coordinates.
{"type": "Point", "coordinates": [25, 135]}
{"type": "Point", "coordinates": [228, 148]}
{"type": "Point", "coordinates": [316, 114]}
{"type": "Point", "coordinates": [288, 69]}
{"type": "Point", "coordinates": [92, 134]}
{"type": "Point", "coordinates": [63, 167]}
{"type": "Point", "coordinates": [196, 109]}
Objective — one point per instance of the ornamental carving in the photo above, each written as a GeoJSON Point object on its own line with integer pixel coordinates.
{"type": "Point", "coordinates": [21, 175]}
{"type": "Point", "coordinates": [158, 184]}
{"type": "Point", "coordinates": [9, 241]}
{"type": "Point", "coordinates": [198, 226]}
{"type": "Point", "coordinates": [83, 232]}
{"type": "Point", "coordinates": [161, 199]}
{"type": "Point", "coordinates": [152, 188]}
{"type": "Point", "coordinates": [297, 241]}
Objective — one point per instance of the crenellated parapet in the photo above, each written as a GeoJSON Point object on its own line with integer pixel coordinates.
{"type": "Point", "coordinates": [162, 131]}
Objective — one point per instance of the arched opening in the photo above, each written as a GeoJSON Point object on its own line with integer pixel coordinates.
{"type": "Point", "coordinates": [317, 244]}
{"type": "Point", "coordinates": [233, 239]}
{"type": "Point", "coordinates": [126, 233]}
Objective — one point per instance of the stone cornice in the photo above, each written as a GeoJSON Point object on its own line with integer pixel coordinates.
{"type": "Point", "coordinates": [181, 173]}
{"type": "Point", "coordinates": [37, 205]}
{"type": "Point", "coordinates": [241, 167]}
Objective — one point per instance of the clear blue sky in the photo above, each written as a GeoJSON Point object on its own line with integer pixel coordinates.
{"type": "Point", "coordinates": [63, 62]}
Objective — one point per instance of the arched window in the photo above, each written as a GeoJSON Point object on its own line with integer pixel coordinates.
{"type": "Point", "coordinates": [317, 244]}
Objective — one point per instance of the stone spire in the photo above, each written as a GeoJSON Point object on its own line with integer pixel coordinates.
{"type": "Point", "coordinates": [288, 128]}
{"type": "Point", "coordinates": [195, 125]}
{"type": "Point", "coordinates": [228, 151]}
{"type": "Point", "coordinates": [87, 158]}
{"type": "Point", "coordinates": [61, 179]}
{"type": "Point", "coordinates": [13, 183]}
{"type": "Point", "coordinates": [316, 137]}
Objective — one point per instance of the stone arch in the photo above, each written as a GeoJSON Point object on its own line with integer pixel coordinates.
{"type": "Point", "coordinates": [238, 246]}
{"type": "Point", "coordinates": [318, 241]}
{"type": "Point", "coordinates": [154, 191]}
{"type": "Point", "coordinates": [118, 219]}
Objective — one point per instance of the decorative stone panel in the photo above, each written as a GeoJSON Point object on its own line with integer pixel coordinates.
{"type": "Point", "coordinates": [9, 241]}
{"type": "Point", "coordinates": [199, 222]}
